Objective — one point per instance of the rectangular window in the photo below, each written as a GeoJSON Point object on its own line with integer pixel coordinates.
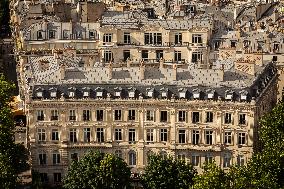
{"type": "Point", "coordinates": [126, 55]}
{"type": "Point", "coordinates": [159, 54]}
{"type": "Point", "coordinates": [149, 115]}
{"type": "Point", "coordinates": [242, 119]}
{"type": "Point", "coordinates": [131, 115]}
{"type": "Point", "coordinates": [208, 137]}
{"type": "Point", "coordinates": [107, 37]}
{"type": "Point", "coordinates": [108, 56]}
{"type": "Point", "coordinates": [240, 160]}
{"type": "Point", "coordinates": [100, 135]}
{"type": "Point", "coordinates": [153, 38]}
{"type": "Point", "coordinates": [228, 137]}
{"type": "Point", "coordinates": [196, 56]}
{"type": "Point", "coordinates": [43, 177]}
{"type": "Point", "coordinates": [126, 38]}
{"type": "Point", "coordinates": [72, 115]}
{"type": "Point", "coordinates": [226, 161]}
{"type": "Point", "coordinates": [164, 116]}
{"type": "Point", "coordinates": [54, 135]}
{"type": "Point", "coordinates": [65, 34]}
{"type": "Point", "coordinates": [195, 160]}
{"type": "Point", "coordinates": [40, 115]}
{"type": "Point", "coordinates": [181, 136]}
{"type": "Point", "coordinates": [195, 137]}
{"type": "Point", "coordinates": [181, 157]}
{"type": "Point", "coordinates": [92, 34]}
{"type": "Point", "coordinates": [195, 117]}
{"type": "Point", "coordinates": [241, 138]}
{"type": "Point", "coordinates": [86, 115]}
{"type": "Point", "coordinates": [73, 135]}
{"type": "Point", "coordinates": [100, 115]}
{"type": "Point", "coordinates": [117, 115]}
{"type": "Point", "coordinates": [87, 134]}
{"type": "Point", "coordinates": [164, 135]}
{"type": "Point", "coordinates": [178, 38]}
{"type": "Point", "coordinates": [144, 54]}
{"type": "Point", "coordinates": [39, 35]}
{"type": "Point", "coordinates": [181, 116]}
{"type": "Point", "coordinates": [57, 177]}
{"type": "Point", "coordinates": [208, 158]}
{"type": "Point", "coordinates": [150, 135]}
{"type": "Point", "coordinates": [196, 38]}
{"type": "Point", "coordinates": [54, 115]}
{"type": "Point", "coordinates": [56, 158]}
{"type": "Point", "coordinates": [131, 135]}
{"type": "Point", "coordinates": [228, 118]}
{"type": "Point", "coordinates": [118, 134]}
{"type": "Point", "coordinates": [74, 157]}
{"type": "Point", "coordinates": [51, 34]}
{"type": "Point", "coordinates": [177, 56]}
{"type": "Point", "coordinates": [209, 117]}
{"type": "Point", "coordinates": [41, 134]}
{"type": "Point", "coordinates": [42, 158]}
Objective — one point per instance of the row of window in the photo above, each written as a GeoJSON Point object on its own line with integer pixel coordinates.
{"type": "Point", "coordinates": [196, 56]}
{"type": "Point", "coordinates": [152, 38]}
{"type": "Point", "coordinates": [132, 159]}
{"type": "Point", "coordinates": [149, 136]}
{"type": "Point", "coordinates": [67, 34]}
{"type": "Point", "coordinates": [56, 177]}
{"type": "Point", "coordinates": [182, 116]}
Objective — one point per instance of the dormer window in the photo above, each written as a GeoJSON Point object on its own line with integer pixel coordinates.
{"type": "Point", "coordinates": [99, 92]}
{"type": "Point", "coordinates": [39, 94]}
{"type": "Point", "coordinates": [164, 92]}
{"type": "Point", "coordinates": [117, 92]}
{"type": "Point", "coordinates": [182, 93]}
{"type": "Point", "coordinates": [243, 96]}
{"type": "Point", "coordinates": [150, 92]}
{"type": "Point", "coordinates": [86, 92]}
{"type": "Point", "coordinates": [229, 95]}
{"type": "Point", "coordinates": [131, 92]}
{"type": "Point", "coordinates": [210, 93]}
{"type": "Point", "coordinates": [196, 93]}
{"type": "Point", "coordinates": [71, 92]}
{"type": "Point", "coordinates": [53, 94]}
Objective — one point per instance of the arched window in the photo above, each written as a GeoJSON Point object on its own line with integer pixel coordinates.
{"type": "Point", "coordinates": [132, 158]}
{"type": "Point", "coordinates": [118, 153]}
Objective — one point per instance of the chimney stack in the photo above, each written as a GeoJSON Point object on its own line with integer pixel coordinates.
{"type": "Point", "coordinates": [174, 72]}
{"type": "Point", "coordinates": [142, 70]}
{"type": "Point", "coordinates": [110, 70]}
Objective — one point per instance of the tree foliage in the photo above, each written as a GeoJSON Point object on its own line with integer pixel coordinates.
{"type": "Point", "coordinates": [98, 171]}
{"type": "Point", "coordinates": [13, 157]}
{"type": "Point", "coordinates": [167, 173]}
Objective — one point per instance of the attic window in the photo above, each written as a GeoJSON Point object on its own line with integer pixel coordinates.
{"type": "Point", "coordinates": [99, 94]}
{"type": "Point", "coordinates": [39, 94]}
{"type": "Point", "coordinates": [71, 94]}
{"type": "Point", "coordinates": [86, 94]}
{"type": "Point", "coordinates": [131, 94]}
{"type": "Point", "coordinates": [229, 95]}
{"type": "Point", "coordinates": [150, 93]}
{"type": "Point", "coordinates": [182, 94]}
{"type": "Point", "coordinates": [117, 93]}
{"type": "Point", "coordinates": [196, 94]}
{"type": "Point", "coordinates": [53, 94]}
{"type": "Point", "coordinates": [210, 95]}
{"type": "Point", "coordinates": [243, 97]}
{"type": "Point", "coordinates": [164, 94]}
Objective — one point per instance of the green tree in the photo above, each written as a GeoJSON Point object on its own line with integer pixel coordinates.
{"type": "Point", "coordinates": [212, 177]}
{"type": "Point", "coordinates": [98, 171]}
{"type": "Point", "coordinates": [13, 157]}
{"type": "Point", "coordinates": [167, 173]}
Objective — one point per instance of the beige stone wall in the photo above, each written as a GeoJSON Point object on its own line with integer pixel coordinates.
{"type": "Point", "coordinates": [141, 147]}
